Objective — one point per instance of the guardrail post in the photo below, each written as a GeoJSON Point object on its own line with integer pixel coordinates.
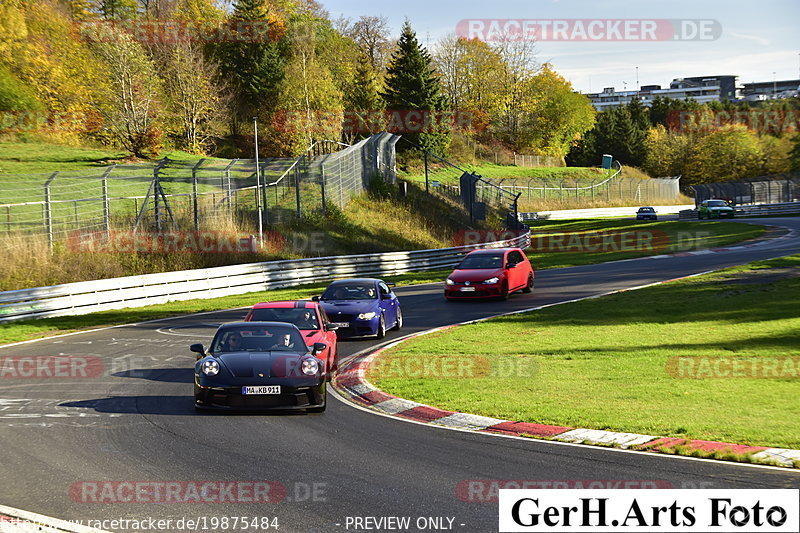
{"type": "Point", "coordinates": [48, 213]}
{"type": "Point", "coordinates": [8, 218]}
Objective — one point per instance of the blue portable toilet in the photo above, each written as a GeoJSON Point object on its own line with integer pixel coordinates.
{"type": "Point", "coordinates": [607, 161]}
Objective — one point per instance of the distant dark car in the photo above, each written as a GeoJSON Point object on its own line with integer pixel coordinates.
{"type": "Point", "coordinates": [259, 366]}
{"type": "Point", "coordinates": [493, 273]}
{"type": "Point", "coordinates": [361, 307]}
{"type": "Point", "coordinates": [714, 209]}
{"type": "Point", "coordinates": [646, 213]}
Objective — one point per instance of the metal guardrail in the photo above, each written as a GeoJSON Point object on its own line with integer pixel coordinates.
{"type": "Point", "coordinates": [788, 208]}
{"type": "Point", "coordinates": [149, 289]}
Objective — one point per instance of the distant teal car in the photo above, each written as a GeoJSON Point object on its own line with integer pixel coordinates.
{"type": "Point", "coordinates": [714, 209]}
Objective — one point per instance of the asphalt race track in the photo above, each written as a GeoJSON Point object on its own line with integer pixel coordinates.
{"type": "Point", "coordinates": [136, 422]}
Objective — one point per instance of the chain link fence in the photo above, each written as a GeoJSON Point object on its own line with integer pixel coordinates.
{"type": "Point", "coordinates": [610, 188]}
{"type": "Point", "coordinates": [774, 189]}
{"type": "Point", "coordinates": [316, 181]}
{"type": "Point", "coordinates": [193, 195]}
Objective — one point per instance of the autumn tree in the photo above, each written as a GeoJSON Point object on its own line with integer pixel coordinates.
{"type": "Point", "coordinates": [308, 93]}
{"type": "Point", "coordinates": [560, 115]}
{"type": "Point", "coordinates": [731, 153]}
{"type": "Point", "coordinates": [133, 104]}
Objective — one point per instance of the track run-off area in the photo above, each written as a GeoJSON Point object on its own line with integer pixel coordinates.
{"type": "Point", "coordinates": [125, 442]}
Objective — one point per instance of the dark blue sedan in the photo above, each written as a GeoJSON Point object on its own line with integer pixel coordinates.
{"type": "Point", "coordinates": [361, 307]}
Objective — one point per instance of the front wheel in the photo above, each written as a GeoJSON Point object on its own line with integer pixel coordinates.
{"type": "Point", "coordinates": [399, 322]}
{"type": "Point", "coordinates": [381, 328]}
{"type": "Point", "coordinates": [504, 291]}
{"type": "Point", "coordinates": [529, 287]}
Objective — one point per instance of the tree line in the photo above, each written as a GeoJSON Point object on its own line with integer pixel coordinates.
{"type": "Point", "coordinates": [192, 74]}
{"type": "Point", "coordinates": [704, 143]}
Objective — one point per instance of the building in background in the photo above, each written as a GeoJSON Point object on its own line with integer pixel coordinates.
{"type": "Point", "coordinates": [766, 90]}
{"type": "Point", "coordinates": [702, 89]}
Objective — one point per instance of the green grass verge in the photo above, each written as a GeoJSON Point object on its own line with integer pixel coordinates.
{"type": "Point", "coordinates": [29, 329]}
{"type": "Point", "coordinates": [603, 363]}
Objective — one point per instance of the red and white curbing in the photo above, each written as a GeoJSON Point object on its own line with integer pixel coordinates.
{"type": "Point", "coordinates": [353, 385]}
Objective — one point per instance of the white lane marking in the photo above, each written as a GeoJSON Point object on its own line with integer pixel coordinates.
{"type": "Point", "coordinates": [171, 330]}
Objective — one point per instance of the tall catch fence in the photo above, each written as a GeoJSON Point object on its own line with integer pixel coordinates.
{"type": "Point", "coordinates": [774, 189]}
{"type": "Point", "coordinates": [476, 194]}
{"type": "Point", "coordinates": [609, 187]}
{"type": "Point", "coordinates": [194, 195]}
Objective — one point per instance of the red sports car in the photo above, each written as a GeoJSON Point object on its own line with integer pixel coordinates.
{"type": "Point", "coordinates": [493, 273]}
{"type": "Point", "coordinates": [310, 319]}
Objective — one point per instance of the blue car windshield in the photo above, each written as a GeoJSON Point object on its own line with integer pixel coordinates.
{"type": "Point", "coordinates": [350, 291]}
{"type": "Point", "coordinates": [258, 339]}
{"type": "Point", "coordinates": [481, 261]}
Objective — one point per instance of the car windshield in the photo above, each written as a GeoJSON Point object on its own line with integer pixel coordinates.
{"type": "Point", "coordinates": [481, 261]}
{"type": "Point", "coordinates": [258, 339]}
{"type": "Point", "coordinates": [646, 209]}
{"type": "Point", "coordinates": [350, 291]}
{"type": "Point", "coordinates": [303, 318]}
{"type": "Point", "coordinates": [716, 203]}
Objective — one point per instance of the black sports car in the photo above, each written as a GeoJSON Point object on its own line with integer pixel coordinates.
{"type": "Point", "coordinates": [259, 366]}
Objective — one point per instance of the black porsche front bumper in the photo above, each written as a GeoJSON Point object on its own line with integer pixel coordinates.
{"type": "Point", "coordinates": [231, 398]}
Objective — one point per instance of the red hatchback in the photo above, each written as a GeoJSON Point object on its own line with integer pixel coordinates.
{"type": "Point", "coordinates": [493, 273]}
{"type": "Point", "coordinates": [309, 318]}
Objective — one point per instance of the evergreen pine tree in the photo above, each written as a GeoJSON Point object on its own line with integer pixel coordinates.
{"type": "Point", "coordinates": [413, 85]}
{"type": "Point", "coordinates": [255, 68]}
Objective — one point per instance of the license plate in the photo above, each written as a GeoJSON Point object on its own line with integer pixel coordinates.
{"type": "Point", "coordinates": [264, 389]}
{"type": "Point", "coordinates": [341, 324]}
{"type": "Point", "coordinates": [467, 289]}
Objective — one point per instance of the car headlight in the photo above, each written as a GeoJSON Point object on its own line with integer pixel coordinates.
{"type": "Point", "coordinates": [492, 281]}
{"type": "Point", "coordinates": [367, 316]}
{"type": "Point", "coordinates": [449, 281]}
{"type": "Point", "coordinates": [210, 367]}
{"type": "Point", "coordinates": [310, 367]}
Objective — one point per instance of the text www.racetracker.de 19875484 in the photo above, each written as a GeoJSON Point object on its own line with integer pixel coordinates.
{"type": "Point", "coordinates": [195, 523]}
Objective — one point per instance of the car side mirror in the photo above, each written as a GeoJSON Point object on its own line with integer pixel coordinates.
{"type": "Point", "coordinates": [318, 347]}
{"type": "Point", "coordinates": [386, 296]}
{"type": "Point", "coordinates": [198, 348]}
{"type": "Point", "coordinates": [315, 298]}
{"type": "Point", "coordinates": [510, 265]}
{"type": "Point", "coordinates": [331, 327]}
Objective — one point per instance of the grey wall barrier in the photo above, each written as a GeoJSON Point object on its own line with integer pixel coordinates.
{"type": "Point", "coordinates": [137, 291]}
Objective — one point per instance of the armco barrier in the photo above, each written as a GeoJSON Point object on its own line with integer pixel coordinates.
{"type": "Point", "coordinates": [138, 291]}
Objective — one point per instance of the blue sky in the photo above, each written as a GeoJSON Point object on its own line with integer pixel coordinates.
{"type": "Point", "coordinates": [757, 39]}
